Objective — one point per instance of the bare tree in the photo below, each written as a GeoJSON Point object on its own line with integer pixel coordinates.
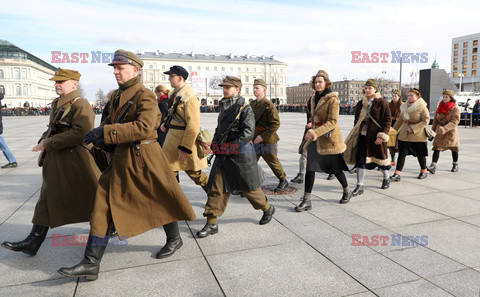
{"type": "Point", "coordinates": [100, 97]}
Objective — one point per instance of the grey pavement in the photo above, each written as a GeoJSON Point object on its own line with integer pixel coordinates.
{"type": "Point", "coordinates": [297, 254]}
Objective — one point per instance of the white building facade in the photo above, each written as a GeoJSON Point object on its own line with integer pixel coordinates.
{"type": "Point", "coordinates": [206, 71]}
{"type": "Point", "coordinates": [465, 71]}
{"type": "Point", "coordinates": [24, 78]}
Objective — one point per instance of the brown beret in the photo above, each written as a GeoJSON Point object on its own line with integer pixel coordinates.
{"type": "Point", "coordinates": [322, 73]}
{"type": "Point", "coordinates": [449, 93]}
{"type": "Point", "coordinates": [397, 91]}
{"type": "Point", "coordinates": [232, 81]}
{"type": "Point", "coordinates": [371, 83]}
{"type": "Point", "coordinates": [260, 82]}
{"type": "Point", "coordinates": [126, 57]}
{"type": "Point", "coordinates": [66, 74]}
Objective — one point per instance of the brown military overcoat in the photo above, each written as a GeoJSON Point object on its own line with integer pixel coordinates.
{"type": "Point", "coordinates": [138, 191]}
{"type": "Point", "coordinates": [269, 123]}
{"type": "Point", "coordinates": [70, 175]}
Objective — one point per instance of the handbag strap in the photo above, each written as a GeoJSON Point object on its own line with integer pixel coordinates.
{"type": "Point", "coordinates": [368, 113]}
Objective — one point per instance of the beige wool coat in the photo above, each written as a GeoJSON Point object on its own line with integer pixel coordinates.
{"type": "Point", "coordinates": [416, 117]}
{"type": "Point", "coordinates": [188, 111]}
{"type": "Point", "coordinates": [447, 125]}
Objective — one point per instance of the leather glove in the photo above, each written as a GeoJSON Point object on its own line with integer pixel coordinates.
{"type": "Point", "coordinates": [108, 148]}
{"type": "Point", "coordinates": [95, 134]}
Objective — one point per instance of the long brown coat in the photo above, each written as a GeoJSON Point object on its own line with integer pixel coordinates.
{"type": "Point", "coordinates": [270, 120]}
{"type": "Point", "coordinates": [447, 125]}
{"type": "Point", "coordinates": [324, 119]}
{"type": "Point", "coordinates": [189, 111]}
{"type": "Point", "coordinates": [381, 113]}
{"type": "Point", "coordinates": [416, 117]}
{"type": "Point", "coordinates": [138, 191]}
{"type": "Point", "coordinates": [70, 175]}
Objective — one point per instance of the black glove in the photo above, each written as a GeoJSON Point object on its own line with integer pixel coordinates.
{"type": "Point", "coordinates": [95, 134]}
{"type": "Point", "coordinates": [109, 148]}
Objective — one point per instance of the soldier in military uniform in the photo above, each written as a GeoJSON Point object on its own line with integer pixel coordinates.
{"type": "Point", "coordinates": [265, 137]}
{"type": "Point", "coordinates": [179, 146]}
{"type": "Point", "coordinates": [138, 191]}
{"type": "Point", "coordinates": [235, 166]}
{"type": "Point", "coordinates": [70, 175]}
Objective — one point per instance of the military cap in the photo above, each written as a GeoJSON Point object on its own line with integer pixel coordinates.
{"type": "Point", "coordinates": [323, 74]}
{"type": "Point", "coordinates": [66, 74]}
{"type": "Point", "coordinates": [231, 81]}
{"type": "Point", "coordinates": [178, 70]}
{"type": "Point", "coordinates": [449, 93]}
{"type": "Point", "coordinates": [397, 91]}
{"type": "Point", "coordinates": [371, 83]}
{"type": "Point", "coordinates": [260, 82]}
{"type": "Point", "coordinates": [126, 57]}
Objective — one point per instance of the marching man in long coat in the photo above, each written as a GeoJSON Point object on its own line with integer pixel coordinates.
{"type": "Point", "coordinates": [70, 175]}
{"type": "Point", "coordinates": [138, 191]}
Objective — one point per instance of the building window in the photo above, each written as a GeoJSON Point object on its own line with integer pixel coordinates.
{"type": "Point", "coordinates": [17, 73]}
{"type": "Point", "coordinates": [151, 89]}
{"type": "Point", "coordinates": [455, 53]}
{"type": "Point", "coordinates": [239, 69]}
{"type": "Point", "coordinates": [199, 68]}
{"type": "Point", "coordinates": [464, 73]}
{"type": "Point", "coordinates": [455, 46]}
{"type": "Point", "coordinates": [246, 78]}
{"type": "Point", "coordinates": [150, 66]}
{"type": "Point", "coordinates": [163, 67]}
{"type": "Point", "coordinates": [474, 58]}
{"type": "Point", "coordinates": [246, 69]}
{"type": "Point", "coordinates": [207, 68]}
{"type": "Point", "coordinates": [24, 90]}
{"type": "Point", "coordinates": [215, 68]}
{"type": "Point", "coordinates": [464, 60]}
{"type": "Point", "coordinates": [1, 73]}
{"type": "Point", "coordinates": [455, 74]}
{"type": "Point", "coordinates": [455, 60]}
{"type": "Point", "coordinates": [475, 50]}
{"type": "Point", "coordinates": [465, 51]}
{"type": "Point", "coordinates": [223, 68]}
{"type": "Point", "coordinates": [254, 69]}
{"type": "Point", "coordinates": [474, 65]}
{"type": "Point", "coordinates": [475, 42]}
{"type": "Point", "coordinates": [18, 92]}
{"type": "Point", "coordinates": [2, 89]}
{"type": "Point", "coordinates": [190, 68]}
{"type": "Point", "coordinates": [231, 69]}
{"type": "Point", "coordinates": [465, 44]}
{"type": "Point", "coordinates": [163, 77]}
{"type": "Point", "coordinates": [455, 67]}
{"type": "Point", "coordinates": [247, 90]}
{"type": "Point", "coordinates": [150, 76]}
{"type": "Point", "coordinates": [474, 72]}
{"type": "Point", "coordinates": [464, 66]}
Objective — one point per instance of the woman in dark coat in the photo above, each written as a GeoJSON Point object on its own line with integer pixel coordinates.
{"type": "Point", "coordinates": [162, 94]}
{"type": "Point", "coordinates": [325, 144]}
{"type": "Point", "coordinates": [367, 142]}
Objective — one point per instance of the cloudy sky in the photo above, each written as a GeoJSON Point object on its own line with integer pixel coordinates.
{"type": "Point", "coordinates": [308, 35]}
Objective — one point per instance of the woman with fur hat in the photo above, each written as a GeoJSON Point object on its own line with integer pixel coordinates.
{"type": "Point", "coordinates": [367, 142]}
{"type": "Point", "coordinates": [325, 144]}
{"type": "Point", "coordinates": [445, 125]}
{"type": "Point", "coordinates": [412, 139]}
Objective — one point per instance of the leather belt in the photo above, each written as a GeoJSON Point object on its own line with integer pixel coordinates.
{"type": "Point", "coordinates": [176, 127]}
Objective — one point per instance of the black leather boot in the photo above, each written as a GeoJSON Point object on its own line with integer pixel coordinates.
{"type": "Point", "coordinates": [331, 176]}
{"type": "Point", "coordinates": [357, 191]}
{"type": "Point", "coordinates": [174, 241]}
{"type": "Point", "coordinates": [282, 185]}
{"type": "Point", "coordinates": [455, 167]}
{"type": "Point", "coordinates": [267, 215]}
{"type": "Point", "coordinates": [298, 179]}
{"type": "Point", "coordinates": [432, 168]}
{"type": "Point", "coordinates": [90, 265]}
{"type": "Point", "coordinates": [31, 244]}
{"type": "Point", "coordinates": [386, 183]}
{"type": "Point", "coordinates": [346, 197]}
{"type": "Point", "coordinates": [305, 205]}
{"type": "Point", "coordinates": [207, 230]}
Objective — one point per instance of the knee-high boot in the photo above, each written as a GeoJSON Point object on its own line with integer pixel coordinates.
{"type": "Point", "coordinates": [90, 265]}
{"type": "Point", "coordinates": [31, 244]}
{"type": "Point", "coordinates": [174, 241]}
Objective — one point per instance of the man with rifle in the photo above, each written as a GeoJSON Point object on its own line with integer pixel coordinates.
{"type": "Point", "coordinates": [235, 166]}
{"type": "Point", "coordinates": [183, 126]}
{"type": "Point", "coordinates": [138, 191]}
{"type": "Point", "coordinates": [265, 138]}
{"type": "Point", "coordinates": [70, 175]}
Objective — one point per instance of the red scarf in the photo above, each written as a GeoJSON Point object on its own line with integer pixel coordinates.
{"type": "Point", "coordinates": [163, 97]}
{"type": "Point", "coordinates": [445, 107]}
